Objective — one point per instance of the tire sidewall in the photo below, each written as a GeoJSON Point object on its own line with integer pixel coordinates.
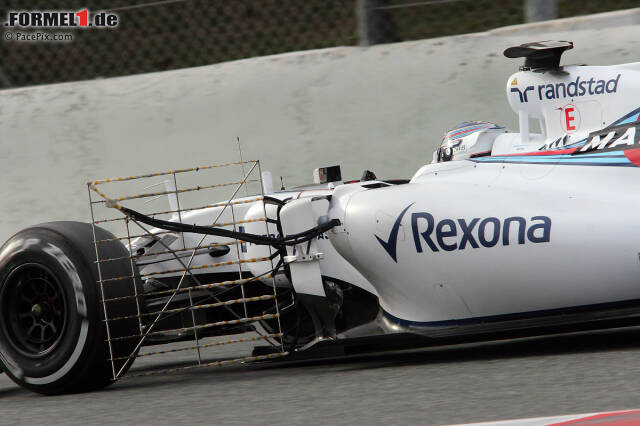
{"type": "Point", "coordinates": [45, 247]}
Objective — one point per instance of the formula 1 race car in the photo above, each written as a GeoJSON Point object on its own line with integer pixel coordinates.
{"type": "Point", "coordinates": [504, 234]}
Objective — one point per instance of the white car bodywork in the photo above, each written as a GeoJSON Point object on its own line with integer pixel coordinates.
{"type": "Point", "coordinates": [548, 223]}
{"type": "Point", "coordinates": [538, 235]}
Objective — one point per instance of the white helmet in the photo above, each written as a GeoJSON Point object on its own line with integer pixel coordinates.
{"type": "Point", "coordinates": [468, 140]}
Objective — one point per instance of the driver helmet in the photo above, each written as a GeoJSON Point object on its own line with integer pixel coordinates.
{"type": "Point", "coordinates": [468, 140]}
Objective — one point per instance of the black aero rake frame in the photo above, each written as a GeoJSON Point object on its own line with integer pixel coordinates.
{"type": "Point", "coordinates": [98, 199]}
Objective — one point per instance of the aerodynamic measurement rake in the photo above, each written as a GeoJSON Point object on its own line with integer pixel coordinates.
{"type": "Point", "coordinates": [180, 296]}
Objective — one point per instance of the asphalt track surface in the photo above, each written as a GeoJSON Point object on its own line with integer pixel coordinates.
{"type": "Point", "coordinates": [586, 372]}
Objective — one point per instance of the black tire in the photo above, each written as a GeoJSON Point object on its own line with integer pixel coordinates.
{"type": "Point", "coordinates": [59, 344]}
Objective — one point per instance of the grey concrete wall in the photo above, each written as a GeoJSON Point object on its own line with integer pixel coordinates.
{"type": "Point", "coordinates": [383, 108]}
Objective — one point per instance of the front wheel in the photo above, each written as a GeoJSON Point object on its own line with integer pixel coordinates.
{"type": "Point", "coordinates": [52, 331]}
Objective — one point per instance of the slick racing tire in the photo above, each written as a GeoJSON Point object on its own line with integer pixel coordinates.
{"type": "Point", "coordinates": [53, 336]}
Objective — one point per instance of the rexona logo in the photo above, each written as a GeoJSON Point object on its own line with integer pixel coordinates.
{"type": "Point", "coordinates": [573, 89]}
{"type": "Point", "coordinates": [460, 234]}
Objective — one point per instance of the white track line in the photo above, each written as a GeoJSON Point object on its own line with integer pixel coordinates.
{"type": "Point", "coordinates": [573, 418]}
